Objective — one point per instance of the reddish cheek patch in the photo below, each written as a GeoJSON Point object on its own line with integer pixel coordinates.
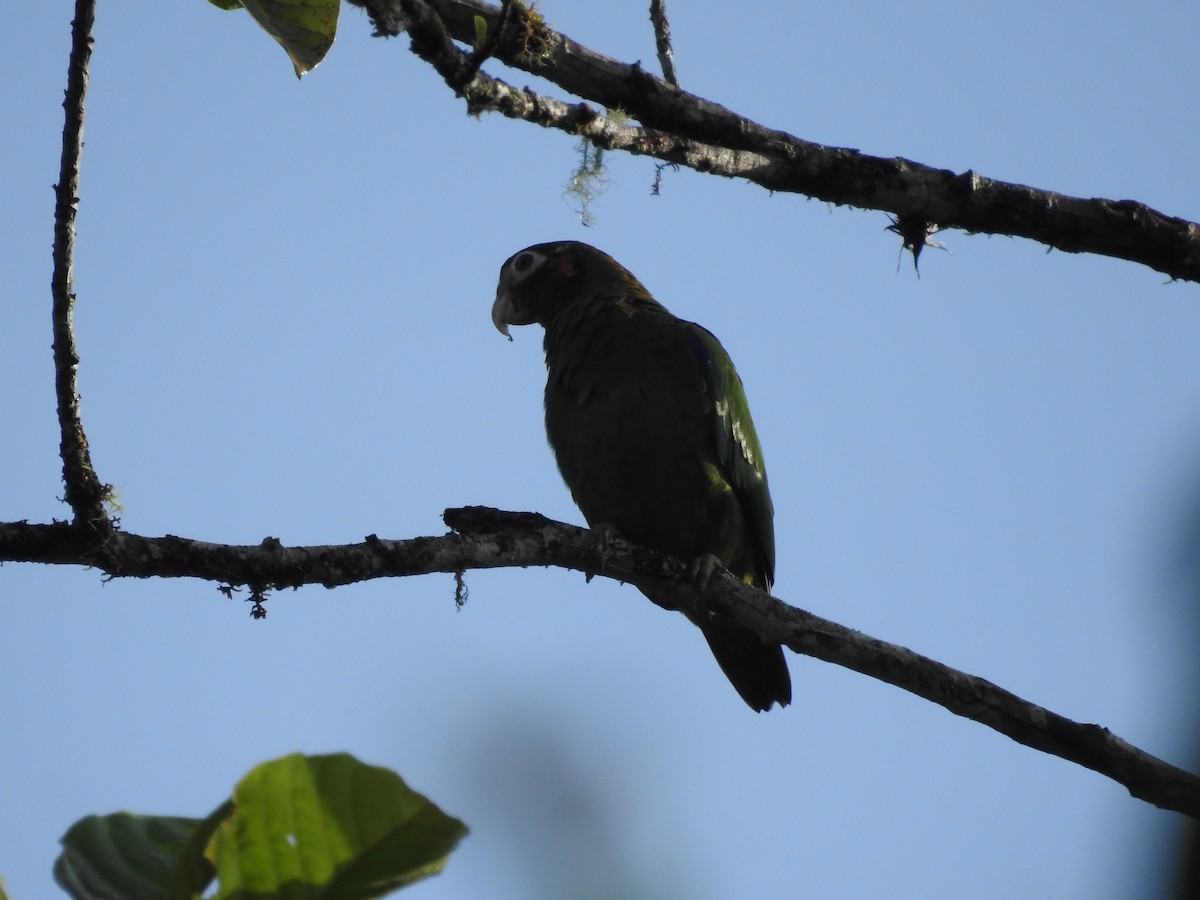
{"type": "Point", "coordinates": [561, 268]}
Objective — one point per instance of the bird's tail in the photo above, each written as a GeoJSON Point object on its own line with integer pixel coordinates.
{"type": "Point", "coordinates": [757, 671]}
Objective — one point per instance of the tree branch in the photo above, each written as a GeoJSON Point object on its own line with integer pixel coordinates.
{"type": "Point", "coordinates": [662, 41]}
{"type": "Point", "coordinates": [83, 489]}
{"type": "Point", "coordinates": [682, 128]}
{"type": "Point", "coordinates": [488, 538]}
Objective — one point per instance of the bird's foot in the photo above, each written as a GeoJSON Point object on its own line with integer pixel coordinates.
{"type": "Point", "coordinates": [702, 569]}
{"type": "Point", "coordinates": [604, 534]}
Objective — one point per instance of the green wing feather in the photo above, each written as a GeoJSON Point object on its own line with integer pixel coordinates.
{"type": "Point", "coordinates": [739, 453]}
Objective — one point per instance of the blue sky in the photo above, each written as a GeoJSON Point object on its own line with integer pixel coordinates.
{"type": "Point", "coordinates": [283, 319]}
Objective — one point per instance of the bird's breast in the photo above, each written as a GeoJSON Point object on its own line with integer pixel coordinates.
{"type": "Point", "coordinates": [628, 422]}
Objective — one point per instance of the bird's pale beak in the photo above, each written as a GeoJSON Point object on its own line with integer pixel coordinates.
{"type": "Point", "coordinates": [502, 312]}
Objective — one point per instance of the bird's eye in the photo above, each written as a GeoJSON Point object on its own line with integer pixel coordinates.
{"type": "Point", "coordinates": [523, 262]}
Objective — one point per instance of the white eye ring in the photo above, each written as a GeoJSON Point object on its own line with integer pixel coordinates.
{"type": "Point", "coordinates": [525, 263]}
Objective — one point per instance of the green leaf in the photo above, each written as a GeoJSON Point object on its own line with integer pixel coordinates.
{"type": "Point", "coordinates": [123, 855]}
{"type": "Point", "coordinates": [303, 28]}
{"type": "Point", "coordinates": [193, 870]}
{"type": "Point", "coordinates": [328, 826]}
{"type": "Point", "coordinates": [297, 827]}
{"type": "Point", "coordinates": [480, 31]}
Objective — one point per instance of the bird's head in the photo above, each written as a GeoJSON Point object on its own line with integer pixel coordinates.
{"type": "Point", "coordinates": [539, 281]}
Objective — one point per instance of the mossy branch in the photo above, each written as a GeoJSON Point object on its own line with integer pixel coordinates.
{"type": "Point", "coordinates": [682, 128]}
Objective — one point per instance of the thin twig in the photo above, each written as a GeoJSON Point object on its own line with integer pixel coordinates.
{"type": "Point", "coordinates": [83, 489]}
{"type": "Point", "coordinates": [491, 42]}
{"type": "Point", "coordinates": [662, 39]}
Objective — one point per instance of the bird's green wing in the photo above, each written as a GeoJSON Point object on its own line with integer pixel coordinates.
{"type": "Point", "coordinates": [739, 453]}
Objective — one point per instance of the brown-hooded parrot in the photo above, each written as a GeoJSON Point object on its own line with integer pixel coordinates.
{"type": "Point", "coordinates": [649, 423]}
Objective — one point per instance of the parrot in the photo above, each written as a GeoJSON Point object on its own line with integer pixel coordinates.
{"type": "Point", "coordinates": [651, 431]}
